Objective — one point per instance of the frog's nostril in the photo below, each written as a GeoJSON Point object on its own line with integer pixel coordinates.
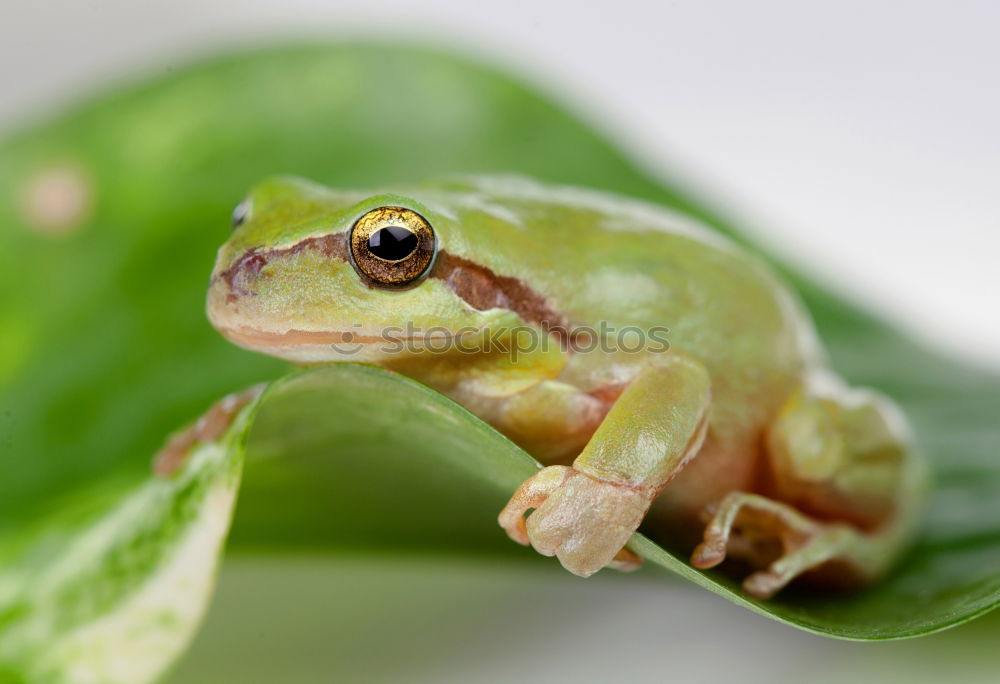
{"type": "Point", "coordinates": [244, 269]}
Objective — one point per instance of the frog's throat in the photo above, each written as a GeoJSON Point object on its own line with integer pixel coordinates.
{"type": "Point", "coordinates": [477, 285]}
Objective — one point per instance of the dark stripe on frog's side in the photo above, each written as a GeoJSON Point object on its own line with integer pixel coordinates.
{"type": "Point", "coordinates": [483, 289]}
{"type": "Point", "coordinates": [477, 285]}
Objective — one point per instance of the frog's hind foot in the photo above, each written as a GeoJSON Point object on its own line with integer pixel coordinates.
{"type": "Point", "coordinates": [847, 491]}
{"type": "Point", "coordinates": [773, 535]}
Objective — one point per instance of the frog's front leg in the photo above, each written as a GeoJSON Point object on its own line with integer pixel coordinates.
{"type": "Point", "coordinates": [585, 514]}
{"type": "Point", "coordinates": [846, 489]}
{"type": "Point", "coordinates": [210, 426]}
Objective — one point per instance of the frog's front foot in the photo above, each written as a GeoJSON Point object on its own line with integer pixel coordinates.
{"type": "Point", "coordinates": [583, 521]}
{"type": "Point", "coordinates": [215, 421]}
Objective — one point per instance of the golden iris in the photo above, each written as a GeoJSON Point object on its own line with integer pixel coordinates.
{"type": "Point", "coordinates": [392, 246]}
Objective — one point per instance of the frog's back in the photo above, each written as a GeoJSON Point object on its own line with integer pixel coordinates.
{"type": "Point", "coordinates": [601, 258]}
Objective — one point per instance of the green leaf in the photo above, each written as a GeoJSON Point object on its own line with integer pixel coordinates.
{"type": "Point", "coordinates": [112, 583]}
{"type": "Point", "coordinates": [369, 460]}
{"type": "Point", "coordinates": [104, 347]}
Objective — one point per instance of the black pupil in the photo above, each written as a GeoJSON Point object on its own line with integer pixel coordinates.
{"type": "Point", "coordinates": [392, 243]}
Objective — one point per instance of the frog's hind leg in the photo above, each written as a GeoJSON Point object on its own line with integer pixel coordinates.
{"type": "Point", "coordinates": [844, 490]}
{"type": "Point", "coordinates": [747, 526]}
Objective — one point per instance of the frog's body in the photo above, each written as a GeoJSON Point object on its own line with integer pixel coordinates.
{"type": "Point", "coordinates": [737, 414]}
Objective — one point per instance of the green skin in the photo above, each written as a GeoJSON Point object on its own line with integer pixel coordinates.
{"type": "Point", "coordinates": [738, 422]}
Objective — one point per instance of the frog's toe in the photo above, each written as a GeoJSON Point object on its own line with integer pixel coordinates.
{"type": "Point", "coordinates": [760, 518]}
{"type": "Point", "coordinates": [548, 528]}
{"type": "Point", "coordinates": [516, 529]}
{"type": "Point", "coordinates": [835, 541]}
{"type": "Point", "coordinates": [626, 560]}
{"type": "Point", "coordinates": [709, 553]}
{"type": "Point", "coordinates": [763, 585]}
{"type": "Point", "coordinates": [584, 555]}
{"type": "Point", "coordinates": [531, 494]}
{"type": "Point", "coordinates": [577, 549]}
{"type": "Point", "coordinates": [797, 544]}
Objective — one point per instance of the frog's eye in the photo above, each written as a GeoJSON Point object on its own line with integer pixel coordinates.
{"type": "Point", "coordinates": [392, 246]}
{"type": "Point", "coordinates": [241, 213]}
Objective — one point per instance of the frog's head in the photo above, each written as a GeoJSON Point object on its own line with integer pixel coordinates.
{"type": "Point", "coordinates": [311, 274]}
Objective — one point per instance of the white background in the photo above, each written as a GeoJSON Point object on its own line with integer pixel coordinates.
{"type": "Point", "coordinates": [859, 137]}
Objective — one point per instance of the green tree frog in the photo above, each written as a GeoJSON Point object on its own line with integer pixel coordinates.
{"type": "Point", "coordinates": [661, 373]}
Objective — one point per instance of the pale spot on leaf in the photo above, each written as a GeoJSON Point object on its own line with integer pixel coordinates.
{"type": "Point", "coordinates": [56, 199]}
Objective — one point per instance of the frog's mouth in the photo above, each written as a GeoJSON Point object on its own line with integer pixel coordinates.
{"type": "Point", "coordinates": [248, 335]}
{"type": "Point", "coordinates": [317, 346]}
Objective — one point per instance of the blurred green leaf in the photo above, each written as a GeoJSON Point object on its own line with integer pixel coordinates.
{"type": "Point", "coordinates": [104, 348]}
{"type": "Point", "coordinates": [455, 619]}
{"type": "Point", "coordinates": [111, 584]}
